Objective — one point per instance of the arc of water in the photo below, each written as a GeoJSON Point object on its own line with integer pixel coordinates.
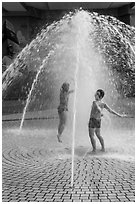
{"type": "Point", "coordinates": [74, 110]}
{"type": "Point", "coordinates": [116, 30]}
{"type": "Point", "coordinates": [131, 47]}
{"type": "Point", "coordinates": [123, 38]}
{"type": "Point", "coordinates": [33, 85]}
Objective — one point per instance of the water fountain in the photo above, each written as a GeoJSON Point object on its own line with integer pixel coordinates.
{"type": "Point", "coordinates": [86, 49]}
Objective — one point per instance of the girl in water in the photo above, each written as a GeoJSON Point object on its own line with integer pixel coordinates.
{"type": "Point", "coordinates": [63, 108]}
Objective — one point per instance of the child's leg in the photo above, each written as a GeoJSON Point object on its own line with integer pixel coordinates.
{"type": "Point", "coordinates": [97, 131]}
{"type": "Point", "coordinates": [62, 123]}
{"type": "Point", "coordinates": [92, 139]}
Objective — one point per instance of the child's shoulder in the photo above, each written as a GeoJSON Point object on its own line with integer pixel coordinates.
{"type": "Point", "coordinates": [103, 104]}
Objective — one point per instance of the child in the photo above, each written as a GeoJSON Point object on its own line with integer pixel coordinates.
{"type": "Point", "coordinates": [95, 119]}
{"type": "Point", "coordinates": [63, 108]}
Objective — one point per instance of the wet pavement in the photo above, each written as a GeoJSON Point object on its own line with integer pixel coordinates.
{"type": "Point", "coordinates": [28, 176]}
{"type": "Point", "coordinates": [36, 168]}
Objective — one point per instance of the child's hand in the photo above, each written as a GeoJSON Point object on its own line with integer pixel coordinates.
{"type": "Point", "coordinates": [127, 116]}
{"type": "Point", "coordinates": [71, 91]}
{"type": "Point", "coordinates": [124, 116]}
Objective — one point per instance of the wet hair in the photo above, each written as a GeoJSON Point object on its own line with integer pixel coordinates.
{"type": "Point", "coordinates": [65, 86]}
{"type": "Point", "coordinates": [101, 93]}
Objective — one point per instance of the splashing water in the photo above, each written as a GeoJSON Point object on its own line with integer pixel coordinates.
{"type": "Point", "coordinates": [88, 50]}
{"type": "Point", "coordinates": [110, 39]}
{"type": "Point", "coordinates": [74, 107]}
{"type": "Point", "coordinates": [35, 81]}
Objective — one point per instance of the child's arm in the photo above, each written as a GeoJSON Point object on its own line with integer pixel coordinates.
{"type": "Point", "coordinates": [71, 91]}
{"type": "Point", "coordinates": [112, 111]}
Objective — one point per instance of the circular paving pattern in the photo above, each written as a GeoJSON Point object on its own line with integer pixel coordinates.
{"type": "Point", "coordinates": [31, 176]}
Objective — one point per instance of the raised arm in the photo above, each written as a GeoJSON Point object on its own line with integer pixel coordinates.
{"type": "Point", "coordinates": [71, 91]}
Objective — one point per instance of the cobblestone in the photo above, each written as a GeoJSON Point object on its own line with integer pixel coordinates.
{"type": "Point", "coordinates": [95, 179]}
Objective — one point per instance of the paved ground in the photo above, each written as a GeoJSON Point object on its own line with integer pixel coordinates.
{"type": "Point", "coordinates": [27, 176]}
{"type": "Point", "coordinates": [35, 167]}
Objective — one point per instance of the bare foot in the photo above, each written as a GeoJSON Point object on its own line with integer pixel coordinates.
{"type": "Point", "coordinates": [103, 149]}
{"type": "Point", "coordinates": [59, 140]}
{"type": "Point", "coordinates": [94, 151]}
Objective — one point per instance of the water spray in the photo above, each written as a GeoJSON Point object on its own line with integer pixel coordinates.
{"type": "Point", "coordinates": [74, 109]}
{"type": "Point", "coordinates": [32, 87]}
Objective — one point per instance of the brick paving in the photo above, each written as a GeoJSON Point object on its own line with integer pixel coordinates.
{"type": "Point", "coordinates": [28, 177]}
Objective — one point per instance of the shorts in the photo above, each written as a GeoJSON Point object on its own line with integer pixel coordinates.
{"type": "Point", "coordinates": [94, 123]}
